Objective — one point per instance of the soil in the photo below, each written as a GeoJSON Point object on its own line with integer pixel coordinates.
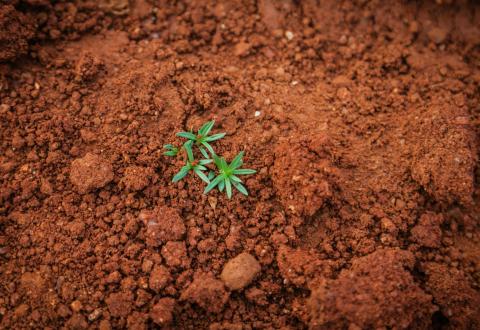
{"type": "Point", "coordinates": [360, 117]}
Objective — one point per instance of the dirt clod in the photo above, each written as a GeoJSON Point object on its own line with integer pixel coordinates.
{"type": "Point", "coordinates": [16, 29]}
{"type": "Point", "coordinates": [334, 306]}
{"type": "Point", "coordinates": [207, 292]}
{"type": "Point", "coordinates": [159, 278]}
{"type": "Point", "coordinates": [163, 224]}
{"type": "Point", "coordinates": [161, 312]}
{"type": "Point", "coordinates": [428, 232]}
{"type": "Point", "coordinates": [120, 304]}
{"type": "Point", "coordinates": [90, 172]}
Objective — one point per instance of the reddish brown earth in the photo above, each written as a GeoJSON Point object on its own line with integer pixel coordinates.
{"type": "Point", "coordinates": [364, 212]}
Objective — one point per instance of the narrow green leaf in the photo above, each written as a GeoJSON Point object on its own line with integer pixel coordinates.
{"type": "Point", "coordinates": [211, 175]}
{"type": "Point", "coordinates": [212, 184]}
{"type": "Point", "coordinates": [188, 148]}
{"type": "Point", "coordinates": [181, 174]}
{"type": "Point", "coordinates": [209, 147]}
{"type": "Point", "coordinates": [223, 164]}
{"type": "Point", "coordinates": [168, 146]}
{"type": "Point", "coordinates": [217, 161]}
{"type": "Point", "coordinates": [244, 171]}
{"type": "Point", "coordinates": [201, 175]}
{"type": "Point", "coordinates": [228, 187]}
{"type": "Point", "coordinates": [235, 179]}
{"type": "Point", "coordinates": [187, 135]}
{"type": "Point", "coordinates": [237, 161]}
{"type": "Point", "coordinates": [170, 153]}
{"type": "Point", "coordinates": [206, 128]}
{"type": "Point", "coordinates": [240, 188]}
{"type": "Point", "coordinates": [215, 137]}
{"type": "Point", "coordinates": [201, 167]}
{"type": "Point", "coordinates": [205, 161]}
{"type": "Point", "coordinates": [221, 185]}
{"type": "Point", "coordinates": [204, 152]}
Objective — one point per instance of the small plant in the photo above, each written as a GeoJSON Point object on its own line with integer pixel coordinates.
{"type": "Point", "coordinates": [227, 173]}
{"type": "Point", "coordinates": [202, 139]}
{"type": "Point", "coordinates": [192, 165]}
{"type": "Point", "coordinates": [172, 151]}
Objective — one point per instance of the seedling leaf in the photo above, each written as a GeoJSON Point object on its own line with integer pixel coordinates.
{"type": "Point", "coordinates": [187, 135]}
{"type": "Point", "coordinates": [212, 184]}
{"type": "Point", "coordinates": [181, 174]}
{"type": "Point", "coordinates": [206, 128]}
{"type": "Point", "coordinates": [244, 171]}
{"type": "Point", "coordinates": [240, 188]}
{"type": "Point", "coordinates": [228, 186]}
{"type": "Point", "coordinates": [215, 137]}
{"type": "Point", "coordinates": [201, 175]}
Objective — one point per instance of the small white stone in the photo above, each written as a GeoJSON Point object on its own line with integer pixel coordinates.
{"type": "Point", "coordinates": [257, 113]}
{"type": "Point", "coordinates": [294, 83]}
{"type": "Point", "coordinates": [289, 35]}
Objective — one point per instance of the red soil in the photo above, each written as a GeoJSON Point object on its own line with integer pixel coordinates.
{"type": "Point", "coordinates": [360, 117]}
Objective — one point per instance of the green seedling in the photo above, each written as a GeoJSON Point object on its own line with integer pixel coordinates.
{"type": "Point", "coordinates": [228, 175]}
{"type": "Point", "coordinates": [192, 165]}
{"type": "Point", "coordinates": [172, 151]}
{"type": "Point", "coordinates": [202, 139]}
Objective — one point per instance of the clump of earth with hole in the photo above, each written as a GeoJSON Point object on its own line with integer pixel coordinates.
{"type": "Point", "coordinates": [237, 165]}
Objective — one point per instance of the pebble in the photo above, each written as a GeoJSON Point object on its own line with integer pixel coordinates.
{"type": "Point", "coordinates": [240, 271]}
{"type": "Point", "coordinates": [289, 35]}
{"type": "Point", "coordinates": [242, 49]}
{"type": "Point", "coordinates": [76, 306]}
{"type": "Point", "coordinates": [94, 315]}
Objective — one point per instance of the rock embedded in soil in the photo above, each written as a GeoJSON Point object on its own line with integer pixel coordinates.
{"type": "Point", "coordinates": [159, 278]}
{"type": "Point", "coordinates": [163, 224]}
{"type": "Point", "coordinates": [162, 312]}
{"type": "Point", "coordinates": [207, 292]}
{"type": "Point", "coordinates": [378, 291]}
{"type": "Point", "coordinates": [90, 172]}
{"type": "Point", "coordinates": [240, 271]}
